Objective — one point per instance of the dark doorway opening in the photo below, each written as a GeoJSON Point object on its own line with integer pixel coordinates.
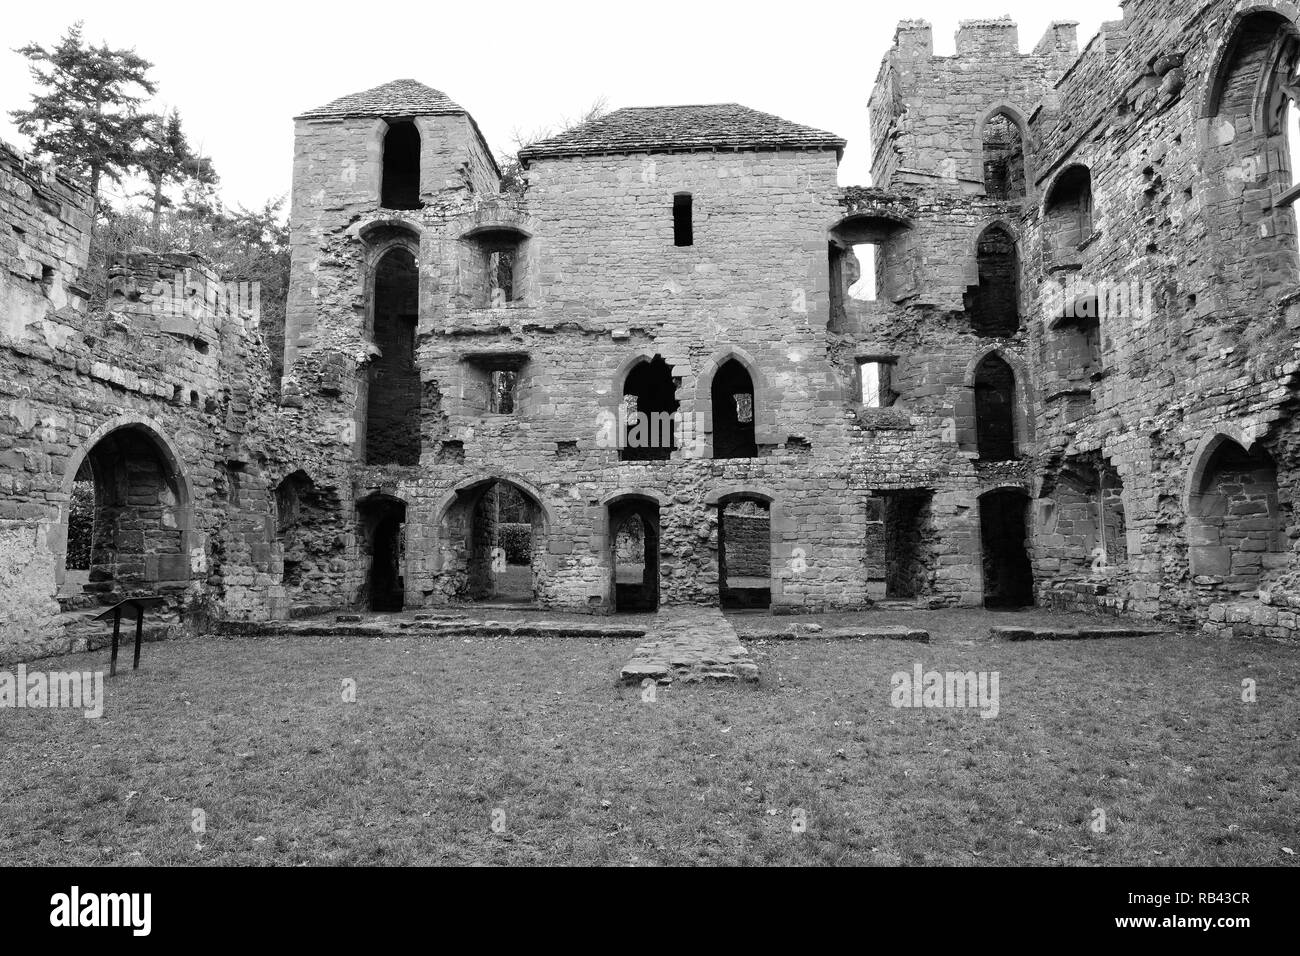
{"type": "Point", "coordinates": [1004, 158]}
{"type": "Point", "coordinates": [733, 412]}
{"type": "Point", "coordinates": [744, 553]}
{"type": "Point", "coordinates": [650, 407]}
{"type": "Point", "coordinates": [401, 174]}
{"type": "Point", "coordinates": [994, 304]}
{"type": "Point", "coordinates": [1008, 574]}
{"type": "Point", "coordinates": [902, 544]}
{"type": "Point", "coordinates": [393, 397]}
{"type": "Point", "coordinates": [995, 410]}
{"type": "Point", "coordinates": [383, 535]}
{"type": "Point", "coordinates": [634, 538]}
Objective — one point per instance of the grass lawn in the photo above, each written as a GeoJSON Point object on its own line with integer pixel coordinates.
{"type": "Point", "coordinates": [445, 732]}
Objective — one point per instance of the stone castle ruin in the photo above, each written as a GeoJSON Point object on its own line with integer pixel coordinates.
{"type": "Point", "coordinates": [659, 376]}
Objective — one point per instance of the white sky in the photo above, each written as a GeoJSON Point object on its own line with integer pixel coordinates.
{"type": "Point", "coordinates": [239, 71]}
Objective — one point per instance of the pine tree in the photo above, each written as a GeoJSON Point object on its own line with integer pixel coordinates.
{"type": "Point", "coordinates": [166, 158]}
{"type": "Point", "coordinates": [85, 114]}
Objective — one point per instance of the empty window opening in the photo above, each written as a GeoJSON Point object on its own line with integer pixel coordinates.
{"type": "Point", "coordinates": [393, 392]}
{"type": "Point", "coordinates": [494, 382]}
{"type": "Point", "coordinates": [125, 521]}
{"type": "Point", "coordinates": [744, 554]}
{"type": "Point", "coordinates": [876, 382]}
{"type": "Point", "coordinates": [497, 268]}
{"type": "Point", "coordinates": [650, 409]}
{"type": "Point", "coordinates": [634, 530]}
{"type": "Point", "coordinates": [902, 545]}
{"type": "Point", "coordinates": [309, 528]}
{"type": "Point", "coordinates": [995, 409]}
{"type": "Point", "coordinates": [1235, 521]}
{"type": "Point", "coordinates": [502, 391]}
{"type": "Point", "coordinates": [1068, 213]}
{"type": "Point", "coordinates": [863, 287]}
{"type": "Point", "coordinates": [1252, 99]}
{"type": "Point", "coordinates": [1004, 158]}
{"type": "Point", "coordinates": [383, 545]}
{"type": "Point", "coordinates": [81, 530]}
{"type": "Point", "coordinates": [683, 220]}
{"type": "Point", "coordinates": [993, 303]}
{"type": "Point", "coordinates": [1008, 573]}
{"type": "Point", "coordinates": [400, 187]}
{"type": "Point", "coordinates": [733, 412]}
{"type": "Point", "coordinates": [507, 537]}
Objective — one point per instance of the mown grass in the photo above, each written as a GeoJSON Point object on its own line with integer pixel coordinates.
{"type": "Point", "coordinates": [444, 732]}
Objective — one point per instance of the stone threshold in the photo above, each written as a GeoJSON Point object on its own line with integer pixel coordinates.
{"type": "Point", "coordinates": [1071, 634]}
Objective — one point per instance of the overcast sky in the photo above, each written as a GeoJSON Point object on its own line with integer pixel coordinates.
{"type": "Point", "coordinates": [239, 71]}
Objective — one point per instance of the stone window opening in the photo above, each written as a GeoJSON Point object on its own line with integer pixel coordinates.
{"type": "Point", "coordinates": [649, 412]}
{"type": "Point", "coordinates": [498, 268]}
{"type": "Point", "coordinates": [494, 382]}
{"type": "Point", "coordinates": [876, 382]}
{"type": "Point", "coordinates": [1004, 158]}
{"type": "Point", "coordinates": [995, 409]}
{"type": "Point", "coordinates": [744, 553]}
{"type": "Point", "coordinates": [902, 544]}
{"type": "Point", "coordinates": [501, 393]}
{"type": "Point", "coordinates": [864, 288]}
{"type": "Point", "coordinates": [993, 304]}
{"type": "Point", "coordinates": [400, 178]}
{"type": "Point", "coordinates": [1068, 213]}
{"type": "Point", "coordinates": [392, 400]}
{"type": "Point", "coordinates": [683, 220]}
{"type": "Point", "coordinates": [732, 394]}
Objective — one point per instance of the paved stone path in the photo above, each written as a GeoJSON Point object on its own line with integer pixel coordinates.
{"type": "Point", "coordinates": [690, 645]}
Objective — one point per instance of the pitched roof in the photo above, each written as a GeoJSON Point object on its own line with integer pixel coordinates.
{"type": "Point", "coordinates": [669, 129]}
{"type": "Point", "coordinates": [395, 98]}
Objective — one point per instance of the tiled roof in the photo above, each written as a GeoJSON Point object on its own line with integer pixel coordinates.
{"type": "Point", "coordinates": [396, 98]}
{"type": "Point", "coordinates": [668, 129]}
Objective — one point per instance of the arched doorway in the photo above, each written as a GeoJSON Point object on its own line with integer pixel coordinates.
{"type": "Point", "coordinates": [494, 534]}
{"type": "Point", "coordinates": [733, 400]}
{"type": "Point", "coordinates": [744, 552]}
{"type": "Point", "coordinates": [1008, 574]}
{"type": "Point", "coordinates": [383, 543]}
{"type": "Point", "coordinates": [634, 557]}
{"type": "Point", "coordinates": [127, 519]}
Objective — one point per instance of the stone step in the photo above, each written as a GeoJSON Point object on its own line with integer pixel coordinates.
{"type": "Point", "coordinates": [1006, 633]}
{"type": "Point", "coordinates": [806, 632]}
{"type": "Point", "coordinates": [698, 645]}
